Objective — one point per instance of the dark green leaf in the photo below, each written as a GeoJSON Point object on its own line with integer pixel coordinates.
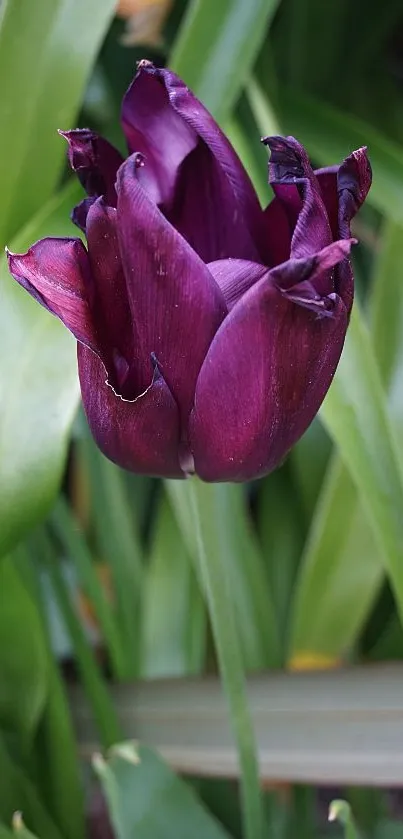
{"type": "Point", "coordinates": [23, 655]}
{"type": "Point", "coordinates": [17, 792]}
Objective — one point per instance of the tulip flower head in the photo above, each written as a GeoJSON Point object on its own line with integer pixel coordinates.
{"type": "Point", "coordinates": [208, 329]}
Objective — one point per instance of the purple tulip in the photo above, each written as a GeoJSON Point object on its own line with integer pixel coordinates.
{"type": "Point", "coordinates": [208, 329]}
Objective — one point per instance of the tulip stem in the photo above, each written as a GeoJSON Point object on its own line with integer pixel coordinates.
{"type": "Point", "coordinates": [213, 574]}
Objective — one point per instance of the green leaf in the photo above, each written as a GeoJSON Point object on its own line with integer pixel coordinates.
{"type": "Point", "coordinates": [93, 681]}
{"type": "Point", "coordinates": [281, 534]}
{"type": "Point", "coordinates": [118, 544]}
{"type": "Point", "coordinates": [41, 88]}
{"type": "Point", "coordinates": [205, 510]}
{"type": "Point", "coordinates": [78, 552]}
{"type": "Point", "coordinates": [23, 655]}
{"type": "Point", "coordinates": [174, 625]}
{"type": "Point", "coordinates": [341, 811]}
{"type": "Point", "coordinates": [57, 750]}
{"type": "Point", "coordinates": [340, 572]}
{"type": "Point", "coordinates": [20, 829]}
{"type": "Point", "coordinates": [355, 415]}
{"type": "Point", "coordinates": [39, 387]}
{"type": "Point", "coordinates": [330, 135]}
{"type": "Point", "coordinates": [17, 792]}
{"type": "Point", "coordinates": [216, 48]}
{"type": "Point", "coordinates": [225, 508]}
{"type": "Point", "coordinates": [146, 800]}
{"type": "Point", "coordinates": [386, 316]}
{"type": "Point", "coordinates": [342, 567]}
{"type": "Point", "coordinates": [57, 776]}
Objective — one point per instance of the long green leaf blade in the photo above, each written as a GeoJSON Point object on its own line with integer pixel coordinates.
{"type": "Point", "coordinates": [47, 50]}
{"type": "Point", "coordinates": [38, 387]}
{"type": "Point", "coordinates": [217, 37]}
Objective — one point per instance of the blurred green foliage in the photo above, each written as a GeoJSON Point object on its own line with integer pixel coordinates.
{"type": "Point", "coordinates": [105, 588]}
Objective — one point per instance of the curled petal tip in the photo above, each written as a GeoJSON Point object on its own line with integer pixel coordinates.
{"type": "Point", "coordinates": [144, 64]}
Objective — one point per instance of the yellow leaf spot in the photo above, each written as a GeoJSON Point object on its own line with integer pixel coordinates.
{"type": "Point", "coordinates": [313, 661]}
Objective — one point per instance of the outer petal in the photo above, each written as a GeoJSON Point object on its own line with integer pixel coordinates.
{"type": "Point", "coordinates": [235, 277]}
{"type": "Point", "coordinates": [110, 303]}
{"type": "Point", "coordinates": [96, 163]}
{"type": "Point", "coordinates": [142, 436]}
{"type": "Point", "coordinates": [194, 173]}
{"type": "Point", "coordinates": [344, 189]}
{"type": "Point", "coordinates": [294, 182]}
{"type": "Point", "coordinates": [176, 306]}
{"type": "Point", "coordinates": [56, 272]}
{"type": "Point", "coordinates": [264, 378]}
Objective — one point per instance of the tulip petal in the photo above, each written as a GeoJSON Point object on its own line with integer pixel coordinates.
{"type": "Point", "coordinates": [265, 376]}
{"type": "Point", "coordinates": [278, 233]}
{"type": "Point", "coordinates": [153, 128]}
{"type": "Point", "coordinates": [143, 435]}
{"type": "Point", "coordinates": [110, 303]}
{"type": "Point", "coordinates": [194, 173]}
{"type": "Point", "coordinates": [176, 307]}
{"type": "Point", "coordinates": [57, 274]}
{"type": "Point", "coordinates": [79, 213]}
{"type": "Point", "coordinates": [344, 189]}
{"type": "Point", "coordinates": [235, 277]}
{"type": "Point", "coordinates": [294, 183]}
{"type": "Point", "coordinates": [96, 163]}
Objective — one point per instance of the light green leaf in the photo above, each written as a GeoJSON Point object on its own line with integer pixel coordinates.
{"type": "Point", "coordinates": [38, 388]}
{"type": "Point", "coordinates": [47, 50]}
{"type": "Point", "coordinates": [225, 508]}
{"type": "Point", "coordinates": [216, 48]}
{"type": "Point", "coordinates": [146, 800]}
{"type": "Point", "coordinates": [342, 567]}
{"type": "Point", "coordinates": [341, 811]}
{"type": "Point", "coordinates": [340, 572]}
{"type": "Point", "coordinates": [355, 415]}
{"type": "Point", "coordinates": [118, 544]}
{"type": "Point", "coordinates": [174, 625]}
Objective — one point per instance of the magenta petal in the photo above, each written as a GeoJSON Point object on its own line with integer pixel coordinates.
{"type": "Point", "coordinates": [143, 435]}
{"type": "Point", "coordinates": [277, 232]}
{"type": "Point", "coordinates": [235, 277]}
{"type": "Point", "coordinates": [314, 272]}
{"type": "Point", "coordinates": [110, 303]}
{"type": "Point", "coordinates": [295, 185]}
{"type": "Point", "coordinates": [96, 163]}
{"type": "Point", "coordinates": [344, 189]}
{"type": "Point", "coordinates": [176, 307]}
{"type": "Point", "coordinates": [194, 173]}
{"type": "Point", "coordinates": [79, 213]}
{"type": "Point", "coordinates": [264, 378]}
{"type": "Point", "coordinates": [153, 128]}
{"type": "Point", "coordinates": [56, 273]}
